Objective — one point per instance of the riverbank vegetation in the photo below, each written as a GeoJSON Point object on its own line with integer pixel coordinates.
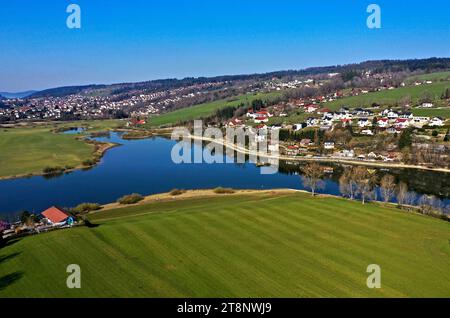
{"type": "Point", "coordinates": [303, 246]}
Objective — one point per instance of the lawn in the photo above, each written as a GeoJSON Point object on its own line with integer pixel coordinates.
{"type": "Point", "coordinates": [253, 245]}
{"type": "Point", "coordinates": [391, 97]}
{"type": "Point", "coordinates": [207, 109]}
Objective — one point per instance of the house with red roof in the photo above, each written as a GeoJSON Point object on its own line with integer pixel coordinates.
{"type": "Point", "coordinates": [262, 119]}
{"type": "Point", "coordinates": [401, 123]}
{"type": "Point", "coordinates": [383, 122]}
{"type": "Point", "coordinates": [55, 215]}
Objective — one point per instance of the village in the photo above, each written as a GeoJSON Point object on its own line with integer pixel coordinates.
{"type": "Point", "coordinates": [322, 129]}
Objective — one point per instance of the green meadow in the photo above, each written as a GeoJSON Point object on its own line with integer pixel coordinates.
{"type": "Point", "coordinates": [28, 150]}
{"type": "Point", "coordinates": [241, 245]}
{"type": "Point", "coordinates": [438, 76]}
{"type": "Point", "coordinates": [391, 97]}
{"type": "Point", "coordinates": [432, 112]}
{"type": "Point", "coordinates": [206, 109]}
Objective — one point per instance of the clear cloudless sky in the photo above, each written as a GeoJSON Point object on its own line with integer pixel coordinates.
{"type": "Point", "coordinates": [137, 40]}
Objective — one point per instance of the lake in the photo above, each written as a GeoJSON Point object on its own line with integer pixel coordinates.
{"type": "Point", "coordinates": [145, 166]}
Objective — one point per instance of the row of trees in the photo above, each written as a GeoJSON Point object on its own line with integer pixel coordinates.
{"type": "Point", "coordinates": [360, 182]}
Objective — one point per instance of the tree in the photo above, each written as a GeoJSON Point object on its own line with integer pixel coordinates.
{"type": "Point", "coordinates": [347, 183]}
{"type": "Point", "coordinates": [402, 193]}
{"type": "Point", "coordinates": [447, 136]}
{"type": "Point", "coordinates": [28, 219]}
{"type": "Point", "coordinates": [405, 139]}
{"type": "Point", "coordinates": [3, 226]}
{"type": "Point", "coordinates": [426, 97]}
{"type": "Point", "coordinates": [312, 175]}
{"type": "Point", "coordinates": [405, 102]}
{"type": "Point", "coordinates": [364, 182]}
{"type": "Point", "coordinates": [387, 187]}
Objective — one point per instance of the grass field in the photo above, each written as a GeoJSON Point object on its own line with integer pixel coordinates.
{"type": "Point", "coordinates": [253, 245]}
{"type": "Point", "coordinates": [391, 97]}
{"type": "Point", "coordinates": [431, 112]}
{"type": "Point", "coordinates": [205, 110]}
{"type": "Point", "coordinates": [28, 150]}
{"type": "Point", "coordinates": [438, 76]}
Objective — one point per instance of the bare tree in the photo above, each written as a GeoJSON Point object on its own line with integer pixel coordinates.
{"type": "Point", "coordinates": [387, 187]}
{"type": "Point", "coordinates": [312, 177]}
{"type": "Point", "coordinates": [364, 182]}
{"type": "Point", "coordinates": [347, 183]}
{"type": "Point", "coordinates": [410, 198]}
{"type": "Point", "coordinates": [402, 193]}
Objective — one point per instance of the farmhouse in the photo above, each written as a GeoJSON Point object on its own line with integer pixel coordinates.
{"type": "Point", "coordinates": [55, 215]}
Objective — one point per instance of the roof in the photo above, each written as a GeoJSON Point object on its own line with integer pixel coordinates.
{"type": "Point", "coordinates": [55, 215]}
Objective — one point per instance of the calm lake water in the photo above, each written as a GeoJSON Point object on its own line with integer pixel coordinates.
{"type": "Point", "coordinates": [145, 166]}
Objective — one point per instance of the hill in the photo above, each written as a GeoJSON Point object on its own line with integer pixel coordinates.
{"type": "Point", "coordinates": [265, 244]}
{"type": "Point", "coordinates": [430, 64]}
{"type": "Point", "coordinates": [17, 95]}
{"type": "Point", "coordinates": [391, 97]}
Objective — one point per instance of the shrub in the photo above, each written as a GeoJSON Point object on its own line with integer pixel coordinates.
{"type": "Point", "coordinates": [221, 190]}
{"type": "Point", "coordinates": [51, 170]}
{"type": "Point", "coordinates": [87, 207]}
{"type": "Point", "coordinates": [88, 162]}
{"type": "Point", "coordinates": [177, 192]}
{"type": "Point", "coordinates": [131, 199]}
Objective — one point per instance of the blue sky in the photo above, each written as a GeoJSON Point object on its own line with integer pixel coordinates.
{"type": "Point", "coordinates": [138, 40]}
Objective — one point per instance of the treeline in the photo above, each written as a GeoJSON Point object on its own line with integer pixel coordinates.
{"type": "Point", "coordinates": [349, 70]}
{"type": "Point", "coordinates": [316, 135]}
{"type": "Point", "coordinates": [362, 183]}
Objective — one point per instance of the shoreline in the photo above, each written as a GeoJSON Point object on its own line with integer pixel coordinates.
{"type": "Point", "coordinates": [103, 147]}
{"type": "Point", "coordinates": [210, 193]}
{"type": "Point", "coordinates": [146, 134]}
{"type": "Point", "coordinates": [319, 159]}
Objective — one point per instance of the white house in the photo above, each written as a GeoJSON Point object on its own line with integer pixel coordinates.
{"type": "Point", "coordinates": [364, 122]}
{"type": "Point", "coordinates": [298, 127]}
{"type": "Point", "coordinates": [312, 122]}
{"type": "Point", "coordinates": [346, 153]}
{"type": "Point", "coordinates": [436, 122]}
{"type": "Point", "coordinates": [367, 132]}
{"type": "Point", "coordinates": [419, 121]}
{"type": "Point", "coordinates": [328, 145]}
{"type": "Point", "coordinates": [426, 105]}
